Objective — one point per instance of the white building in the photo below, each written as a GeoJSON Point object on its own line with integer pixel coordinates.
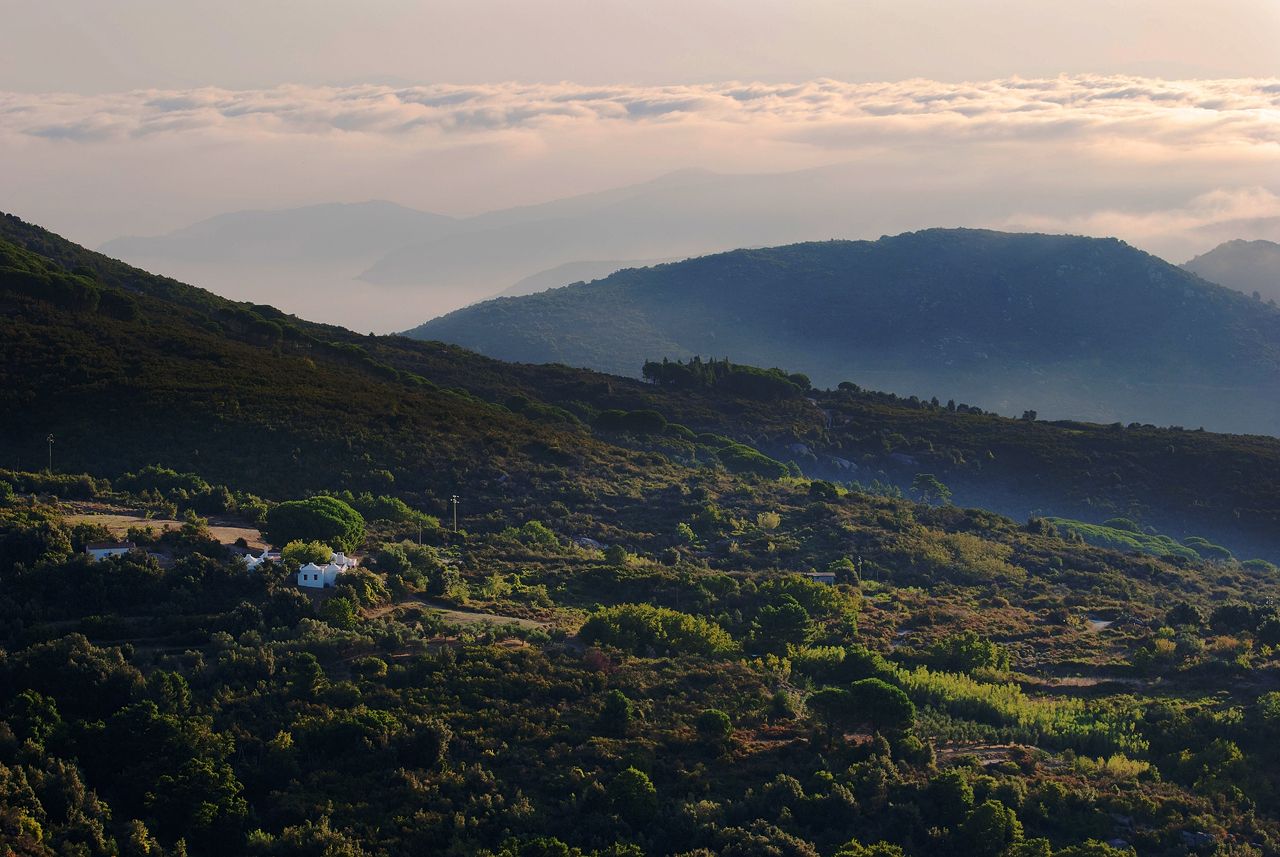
{"type": "Point", "coordinates": [101, 550]}
{"type": "Point", "coordinates": [319, 577]}
{"type": "Point", "coordinates": [312, 575]}
{"type": "Point", "coordinates": [255, 561]}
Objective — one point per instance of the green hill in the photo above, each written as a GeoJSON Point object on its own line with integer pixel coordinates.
{"type": "Point", "coordinates": [953, 682]}
{"type": "Point", "coordinates": [264, 402]}
{"type": "Point", "coordinates": [1071, 327]}
{"type": "Point", "coordinates": [200, 384]}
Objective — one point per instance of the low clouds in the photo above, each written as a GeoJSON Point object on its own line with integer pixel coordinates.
{"type": "Point", "coordinates": [1131, 156]}
{"type": "Point", "coordinates": [823, 112]}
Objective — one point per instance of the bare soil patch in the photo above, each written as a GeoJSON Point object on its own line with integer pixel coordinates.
{"type": "Point", "coordinates": [225, 529]}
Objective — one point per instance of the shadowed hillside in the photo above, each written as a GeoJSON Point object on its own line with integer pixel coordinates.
{"type": "Point", "coordinates": [128, 369]}
{"type": "Point", "coordinates": [1072, 327]}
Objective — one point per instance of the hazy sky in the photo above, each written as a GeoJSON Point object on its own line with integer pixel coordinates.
{"type": "Point", "coordinates": [131, 117]}
{"type": "Point", "coordinates": [95, 46]}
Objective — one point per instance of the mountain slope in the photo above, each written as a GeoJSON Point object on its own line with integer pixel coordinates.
{"type": "Point", "coordinates": [255, 404]}
{"type": "Point", "coordinates": [1072, 327]}
{"type": "Point", "coordinates": [200, 383]}
{"type": "Point", "coordinates": [573, 272]}
{"type": "Point", "coordinates": [1247, 266]}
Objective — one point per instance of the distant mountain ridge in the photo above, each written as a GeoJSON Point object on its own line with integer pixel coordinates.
{"type": "Point", "coordinates": [1072, 327]}
{"type": "Point", "coordinates": [368, 264]}
{"type": "Point", "coordinates": [315, 233]}
{"type": "Point", "coordinates": [1247, 266]}
{"type": "Point", "coordinates": [573, 272]}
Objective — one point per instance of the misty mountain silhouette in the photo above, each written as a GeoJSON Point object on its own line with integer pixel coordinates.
{"type": "Point", "coordinates": [573, 272]}
{"type": "Point", "coordinates": [1069, 326]}
{"type": "Point", "coordinates": [1247, 266]}
{"type": "Point", "coordinates": [316, 233]}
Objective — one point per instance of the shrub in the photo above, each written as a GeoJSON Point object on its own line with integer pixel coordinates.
{"type": "Point", "coordinates": [967, 652]}
{"type": "Point", "coordinates": [739, 458]}
{"type": "Point", "coordinates": [781, 625]}
{"type": "Point", "coordinates": [323, 519]}
{"type": "Point", "coordinates": [300, 553]}
{"type": "Point", "coordinates": [1206, 549]}
{"type": "Point", "coordinates": [339, 612]}
{"type": "Point", "coordinates": [616, 714]}
{"type": "Point", "coordinates": [713, 725]}
{"type": "Point", "coordinates": [639, 627]}
{"type": "Point", "coordinates": [1124, 524]}
{"type": "Point", "coordinates": [537, 533]}
{"type": "Point", "coordinates": [990, 829]}
{"type": "Point", "coordinates": [633, 796]}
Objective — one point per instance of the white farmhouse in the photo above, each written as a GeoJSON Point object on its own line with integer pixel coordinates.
{"type": "Point", "coordinates": [101, 550]}
{"type": "Point", "coordinates": [267, 555]}
{"type": "Point", "coordinates": [311, 575]}
{"type": "Point", "coordinates": [319, 577]}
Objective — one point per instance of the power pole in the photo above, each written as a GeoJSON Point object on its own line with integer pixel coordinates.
{"type": "Point", "coordinates": [50, 439]}
{"type": "Point", "coordinates": [455, 513]}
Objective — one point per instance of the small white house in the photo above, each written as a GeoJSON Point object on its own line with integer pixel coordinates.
{"type": "Point", "coordinates": [321, 576]}
{"type": "Point", "coordinates": [267, 556]}
{"type": "Point", "coordinates": [101, 550]}
{"type": "Point", "coordinates": [827, 578]}
{"type": "Point", "coordinates": [311, 575]}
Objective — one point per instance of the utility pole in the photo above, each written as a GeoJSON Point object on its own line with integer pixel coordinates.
{"type": "Point", "coordinates": [455, 513]}
{"type": "Point", "coordinates": [50, 439]}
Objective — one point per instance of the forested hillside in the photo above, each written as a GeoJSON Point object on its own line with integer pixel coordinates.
{"type": "Point", "coordinates": [1178, 481]}
{"type": "Point", "coordinates": [1071, 327]}
{"type": "Point", "coordinates": [650, 634]}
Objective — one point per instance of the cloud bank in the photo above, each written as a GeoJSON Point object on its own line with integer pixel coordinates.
{"type": "Point", "coordinates": [825, 112]}
{"type": "Point", "coordinates": [1136, 152]}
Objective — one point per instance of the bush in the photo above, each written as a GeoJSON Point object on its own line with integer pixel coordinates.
{"type": "Point", "coordinates": [1206, 549]}
{"type": "Point", "coordinates": [639, 627]}
{"type": "Point", "coordinates": [1123, 524]}
{"type": "Point", "coordinates": [714, 725]}
{"type": "Point", "coordinates": [301, 553]}
{"type": "Point", "coordinates": [990, 829]}
{"type": "Point", "coordinates": [322, 519]}
{"type": "Point", "coordinates": [616, 714]}
{"type": "Point", "coordinates": [739, 458]}
{"type": "Point", "coordinates": [339, 612]}
{"type": "Point", "coordinates": [632, 795]}
{"type": "Point", "coordinates": [965, 653]}
{"type": "Point", "coordinates": [537, 533]}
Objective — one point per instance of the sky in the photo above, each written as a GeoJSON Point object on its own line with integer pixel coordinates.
{"type": "Point", "coordinates": [135, 118]}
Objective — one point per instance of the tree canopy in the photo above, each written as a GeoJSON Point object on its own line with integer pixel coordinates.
{"type": "Point", "coordinates": [321, 519]}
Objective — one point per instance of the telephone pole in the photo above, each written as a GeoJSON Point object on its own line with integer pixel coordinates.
{"type": "Point", "coordinates": [50, 439]}
{"type": "Point", "coordinates": [455, 513]}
